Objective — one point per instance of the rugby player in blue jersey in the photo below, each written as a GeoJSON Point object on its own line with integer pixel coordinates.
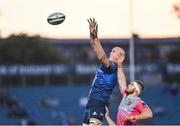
{"type": "Point", "coordinates": [104, 80]}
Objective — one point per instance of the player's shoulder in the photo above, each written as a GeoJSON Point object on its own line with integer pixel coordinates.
{"type": "Point", "coordinates": [113, 64]}
{"type": "Point", "coordinates": [112, 67]}
{"type": "Point", "coordinates": [140, 101]}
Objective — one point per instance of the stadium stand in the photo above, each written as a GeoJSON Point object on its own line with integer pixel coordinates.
{"type": "Point", "coordinates": [60, 105]}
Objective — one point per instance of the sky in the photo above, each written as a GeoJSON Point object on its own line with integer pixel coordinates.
{"type": "Point", "coordinates": [150, 18]}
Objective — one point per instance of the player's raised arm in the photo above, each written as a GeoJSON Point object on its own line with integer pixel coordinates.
{"type": "Point", "coordinates": [95, 43]}
{"type": "Point", "coordinates": [121, 76]}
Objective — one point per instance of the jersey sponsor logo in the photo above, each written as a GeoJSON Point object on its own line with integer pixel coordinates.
{"type": "Point", "coordinates": [129, 103]}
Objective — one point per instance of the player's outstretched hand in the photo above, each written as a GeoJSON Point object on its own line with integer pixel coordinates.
{"type": "Point", "coordinates": [121, 59]}
{"type": "Point", "coordinates": [106, 111]}
{"type": "Point", "coordinates": [93, 27]}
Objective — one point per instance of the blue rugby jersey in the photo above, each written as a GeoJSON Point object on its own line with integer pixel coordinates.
{"type": "Point", "coordinates": [104, 82]}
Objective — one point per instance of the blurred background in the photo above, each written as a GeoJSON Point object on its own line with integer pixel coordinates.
{"type": "Point", "coordinates": [46, 71]}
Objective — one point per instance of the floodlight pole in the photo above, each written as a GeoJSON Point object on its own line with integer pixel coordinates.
{"type": "Point", "coordinates": [131, 42]}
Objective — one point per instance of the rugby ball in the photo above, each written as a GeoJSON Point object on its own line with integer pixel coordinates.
{"type": "Point", "coordinates": [56, 18]}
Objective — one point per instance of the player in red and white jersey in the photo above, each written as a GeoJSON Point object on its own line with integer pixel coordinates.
{"type": "Point", "coordinates": [131, 108]}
